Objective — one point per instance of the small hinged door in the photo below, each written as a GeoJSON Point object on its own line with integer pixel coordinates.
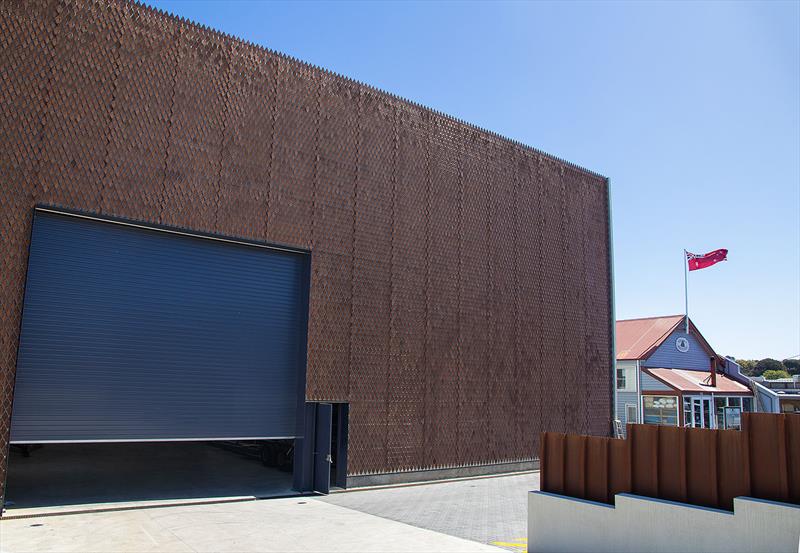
{"type": "Point", "coordinates": [322, 448]}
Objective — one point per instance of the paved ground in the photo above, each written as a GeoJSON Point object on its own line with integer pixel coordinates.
{"type": "Point", "coordinates": [466, 515]}
{"type": "Point", "coordinates": [486, 510]}
{"type": "Point", "coordinates": [58, 476]}
{"type": "Point", "coordinates": [296, 524]}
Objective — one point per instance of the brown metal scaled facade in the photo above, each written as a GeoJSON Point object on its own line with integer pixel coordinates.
{"type": "Point", "coordinates": [461, 286]}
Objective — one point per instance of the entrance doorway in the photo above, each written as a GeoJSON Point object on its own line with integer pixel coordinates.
{"type": "Point", "coordinates": [697, 412]}
{"type": "Point", "coordinates": [339, 445]}
{"type": "Point", "coordinates": [154, 363]}
{"type": "Point", "coordinates": [94, 475]}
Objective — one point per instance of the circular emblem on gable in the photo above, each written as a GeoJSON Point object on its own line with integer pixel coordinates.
{"type": "Point", "coordinates": [682, 344]}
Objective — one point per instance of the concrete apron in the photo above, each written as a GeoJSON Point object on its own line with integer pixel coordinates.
{"type": "Point", "coordinates": [33, 512]}
{"type": "Point", "coordinates": [295, 524]}
{"type": "Point", "coordinates": [58, 510]}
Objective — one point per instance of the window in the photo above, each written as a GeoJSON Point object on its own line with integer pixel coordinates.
{"type": "Point", "coordinates": [630, 413]}
{"type": "Point", "coordinates": [687, 411]}
{"type": "Point", "coordinates": [660, 410]}
{"type": "Point", "coordinates": [720, 403]}
{"type": "Point", "coordinates": [733, 418]}
{"type": "Point", "coordinates": [620, 379]}
{"type": "Point", "coordinates": [729, 410]}
{"type": "Point", "coordinates": [790, 406]}
{"type": "Point", "coordinates": [626, 379]}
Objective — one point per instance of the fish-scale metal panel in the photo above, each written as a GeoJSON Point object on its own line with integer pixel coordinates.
{"type": "Point", "coordinates": [460, 295]}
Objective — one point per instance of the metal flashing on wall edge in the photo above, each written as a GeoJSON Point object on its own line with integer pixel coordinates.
{"type": "Point", "coordinates": [153, 440]}
{"type": "Point", "coordinates": [7, 451]}
{"type": "Point", "coordinates": [612, 306]}
{"type": "Point", "coordinates": [169, 229]}
{"type": "Point", "coordinates": [302, 461]}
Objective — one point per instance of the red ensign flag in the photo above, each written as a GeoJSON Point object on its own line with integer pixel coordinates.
{"type": "Point", "coordinates": [697, 261]}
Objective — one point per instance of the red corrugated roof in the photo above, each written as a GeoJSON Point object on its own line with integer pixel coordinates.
{"type": "Point", "coordinates": [636, 338]}
{"type": "Point", "coordinates": [685, 380]}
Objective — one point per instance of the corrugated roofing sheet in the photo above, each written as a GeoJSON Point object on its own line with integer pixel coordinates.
{"type": "Point", "coordinates": [696, 381]}
{"type": "Point", "coordinates": [638, 337]}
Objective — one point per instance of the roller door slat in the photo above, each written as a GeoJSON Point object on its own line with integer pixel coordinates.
{"type": "Point", "coordinates": [137, 334]}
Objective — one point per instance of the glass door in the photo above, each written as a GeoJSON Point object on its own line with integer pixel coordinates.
{"type": "Point", "coordinates": [688, 412]}
{"type": "Point", "coordinates": [708, 412]}
{"type": "Point", "coordinates": [697, 412]}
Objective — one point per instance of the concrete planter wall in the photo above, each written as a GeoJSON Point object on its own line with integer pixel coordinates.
{"type": "Point", "coordinates": [636, 524]}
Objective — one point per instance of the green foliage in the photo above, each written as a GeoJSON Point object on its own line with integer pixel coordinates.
{"type": "Point", "coordinates": [748, 366]}
{"type": "Point", "coordinates": [775, 374]}
{"type": "Point", "coordinates": [792, 365]}
{"type": "Point", "coordinates": [769, 364]}
{"type": "Point", "coordinates": [753, 367]}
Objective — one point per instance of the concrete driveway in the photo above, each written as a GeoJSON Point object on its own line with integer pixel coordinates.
{"type": "Point", "coordinates": [294, 524]}
{"type": "Point", "coordinates": [490, 510]}
{"type": "Point", "coordinates": [478, 514]}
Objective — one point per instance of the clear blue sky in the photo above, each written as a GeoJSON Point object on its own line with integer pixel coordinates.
{"type": "Point", "coordinates": [692, 109]}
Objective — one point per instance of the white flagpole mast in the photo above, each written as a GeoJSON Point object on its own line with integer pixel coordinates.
{"type": "Point", "coordinates": [686, 287]}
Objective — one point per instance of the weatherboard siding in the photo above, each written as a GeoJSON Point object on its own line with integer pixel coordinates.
{"type": "Point", "coordinates": [667, 355]}
{"type": "Point", "coordinates": [652, 384]}
{"type": "Point", "coordinates": [624, 399]}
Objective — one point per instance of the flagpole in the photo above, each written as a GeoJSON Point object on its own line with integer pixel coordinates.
{"type": "Point", "coordinates": [686, 288]}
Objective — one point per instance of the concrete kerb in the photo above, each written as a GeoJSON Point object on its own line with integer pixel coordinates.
{"type": "Point", "coordinates": [429, 482]}
{"type": "Point", "coordinates": [379, 481]}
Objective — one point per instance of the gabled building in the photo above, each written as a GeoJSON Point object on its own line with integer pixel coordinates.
{"type": "Point", "coordinates": [665, 375]}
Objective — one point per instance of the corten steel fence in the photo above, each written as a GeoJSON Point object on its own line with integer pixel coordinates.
{"type": "Point", "coordinates": [689, 465]}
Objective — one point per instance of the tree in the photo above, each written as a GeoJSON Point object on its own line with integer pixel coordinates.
{"type": "Point", "coordinates": [769, 364]}
{"type": "Point", "coordinates": [792, 365]}
{"type": "Point", "coordinates": [748, 366]}
{"type": "Point", "coordinates": [774, 375]}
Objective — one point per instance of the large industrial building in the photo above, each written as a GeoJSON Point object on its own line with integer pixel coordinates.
{"type": "Point", "coordinates": [204, 241]}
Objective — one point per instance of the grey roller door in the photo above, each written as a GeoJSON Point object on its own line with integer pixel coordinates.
{"type": "Point", "coordinates": [138, 334]}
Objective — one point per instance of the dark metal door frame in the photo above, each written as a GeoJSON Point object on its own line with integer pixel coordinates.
{"type": "Point", "coordinates": [342, 413]}
{"type": "Point", "coordinates": [322, 448]}
{"type": "Point", "coordinates": [310, 473]}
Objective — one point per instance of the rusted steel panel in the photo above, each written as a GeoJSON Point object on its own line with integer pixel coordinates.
{"type": "Point", "coordinates": [793, 456]}
{"type": "Point", "coordinates": [672, 463]}
{"type": "Point", "coordinates": [690, 465]}
{"type": "Point", "coordinates": [552, 462]}
{"type": "Point", "coordinates": [575, 470]}
{"type": "Point", "coordinates": [644, 459]}
{"type": "Point", "coordinates": [619, 467]}
{"type": "Point", "coordinates": [768, 469]}
{"type": "Point", "coordinates": [701, 467]}
{"type": "Point", "coordinates": [733, 467]}
{"type": "Point", "coordinates": [597, 470]}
